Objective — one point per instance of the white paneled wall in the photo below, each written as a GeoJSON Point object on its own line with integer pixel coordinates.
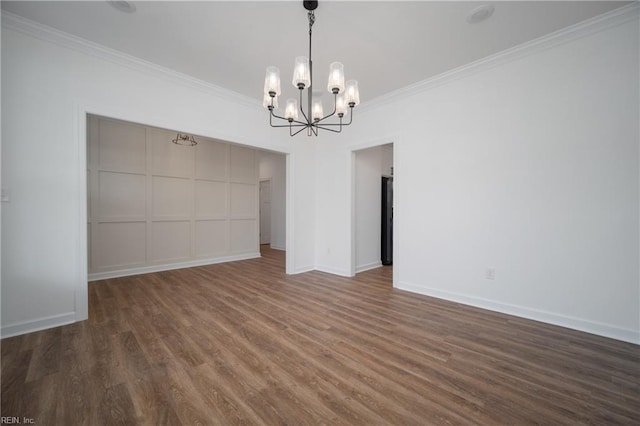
{"type": "Point", "coordinates": [157, 205]}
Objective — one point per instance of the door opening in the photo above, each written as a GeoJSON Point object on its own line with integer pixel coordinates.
{"type": "Point", "coordinates": [372, 208]}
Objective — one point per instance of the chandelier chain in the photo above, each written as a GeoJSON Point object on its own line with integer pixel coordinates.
{"type": "Point", "coordinates": [312, 18]}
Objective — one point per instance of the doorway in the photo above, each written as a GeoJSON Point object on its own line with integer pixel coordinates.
{"type": "Point", "coordinates": [272, 202]}
{"type": "Point", "coordinates": [372, 207]}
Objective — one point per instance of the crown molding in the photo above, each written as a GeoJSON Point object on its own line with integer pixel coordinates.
{"type": "Point", "coordinates": [582, 29]}
{"type": "Point", "coordinates": [45, 33]}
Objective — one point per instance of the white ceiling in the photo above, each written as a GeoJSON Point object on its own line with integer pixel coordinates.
{"type": "Point", "coordinates": [385, 45]}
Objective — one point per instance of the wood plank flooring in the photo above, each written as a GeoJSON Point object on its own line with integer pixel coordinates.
{"type": "Point", "coordinates": [243, 343]}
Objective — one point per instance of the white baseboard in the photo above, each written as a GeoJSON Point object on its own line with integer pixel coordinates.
{"type": "Point", "coordinates": [170, 266]}
{"type": "Point", "coordinates": [37, 324]}
{"type": "Point", "coordinates": [276, 247]}
{"type": "Point", "coordinates": [334, 271]}
{"type": "Point", "coordinates": [579, 324]}
{"type": "Point", "coordinates": [303, 269]}
{"type": "Point", "coordinates": [368, 266]}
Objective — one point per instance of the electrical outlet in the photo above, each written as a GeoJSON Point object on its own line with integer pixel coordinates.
{"type": "Point", "coordinates": [4, 196]}
{"type": "Point", "coordinates": [490, 274]}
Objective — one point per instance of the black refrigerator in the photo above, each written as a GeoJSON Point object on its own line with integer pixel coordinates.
{"type": "Point", "coordinates": [386, 243]}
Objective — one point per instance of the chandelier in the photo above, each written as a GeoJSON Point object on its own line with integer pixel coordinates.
{"type": "Point", "coordinates": [345, 96]}
{"type": "Point", "coordinates": [185, 140]}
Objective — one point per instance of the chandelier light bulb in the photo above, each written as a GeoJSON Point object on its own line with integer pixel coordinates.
{"type": "Point", "coordinates": [352, 94]}
{"type": "Point", "coordinates": [317, 110]}
{"type": "Point", "coordinates": [272, 82]}
{"type": "Point", "coordinates": [336, 78]}
{"type": "Point", "coordinates": [291, 110]}
{"type": "Point", "coordinates": [341, 105]}
{"type": "Point", "coordinates": [301, 73]}
{"type": "Point", "coordinates": [268, 101]}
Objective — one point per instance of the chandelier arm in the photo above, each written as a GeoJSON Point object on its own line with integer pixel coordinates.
{"type": "Point", "coordinates": [273, 114]}
{"type": "Point", "coordinates": [326, 126]}
{"type": "Point", "coordinates": [299, 124]}
{"type": "Point", "coordinates": [341, 123]}
{"type": "Point", "coordinates": [298, 131]}
{"type": "Point", "coordinates": [331, 130]}
{"type": "Point", "coordinates": [327, 116]}
{"type": "Point", "coordinates": [332, 124]}
{"type": "Point", "coordinates": [287, 125]}
{"type": "Point", "coordinates": [335, 101]}
{"type": "Point", "coordinates": [350, 116]}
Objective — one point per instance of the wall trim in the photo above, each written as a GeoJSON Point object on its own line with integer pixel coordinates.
{"type": "Point", "coordinates": [368, 266]}
{"type": "Point", "coordinates": [43, 32]}
{"type": "Point", "coordinates": [574, 323]}
{"type": "Point", "coordinates": [171, 266]}
{"type": "Point", "coordinates": [333, 271]}
{"type": "Point", "coordinates": [395, 140]}
{"type": "Point", "coordinates": [81, 302]}
{"type": "Point", "coordinates": [289, 211]}
{"type": "Point", "coordinates": [582, 29]}
{"type": "Point", "coordinates": [31, 326]}
{"type": "Point", "coordinates": [302, 269]}
{"type": "Point", "coordinates": [277, 247]}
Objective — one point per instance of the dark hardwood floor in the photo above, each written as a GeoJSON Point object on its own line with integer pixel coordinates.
{"type": "Point", "coordinates": [244, 343]}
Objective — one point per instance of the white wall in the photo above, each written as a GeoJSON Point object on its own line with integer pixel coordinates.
{"type": "Point", "coordinates": [526, 164]}
{"type": "Point", "coordinates": [301, 208]}
{"type": "Point", "coordinates": [49, 82]}
{"type": "Point", "coordinates": [387, 160]}
{"type": "Point", "coordinates": [333, 194]}
{"type": "Point", "coordinates": [532, 169]}
{"type": "Point", "coordinates": [273, 167]}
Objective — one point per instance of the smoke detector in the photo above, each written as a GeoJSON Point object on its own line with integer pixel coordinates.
{"type": "Point", "coordinates": [123, 6]}
{"type": "Point", "coordinates": [480, 13]}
